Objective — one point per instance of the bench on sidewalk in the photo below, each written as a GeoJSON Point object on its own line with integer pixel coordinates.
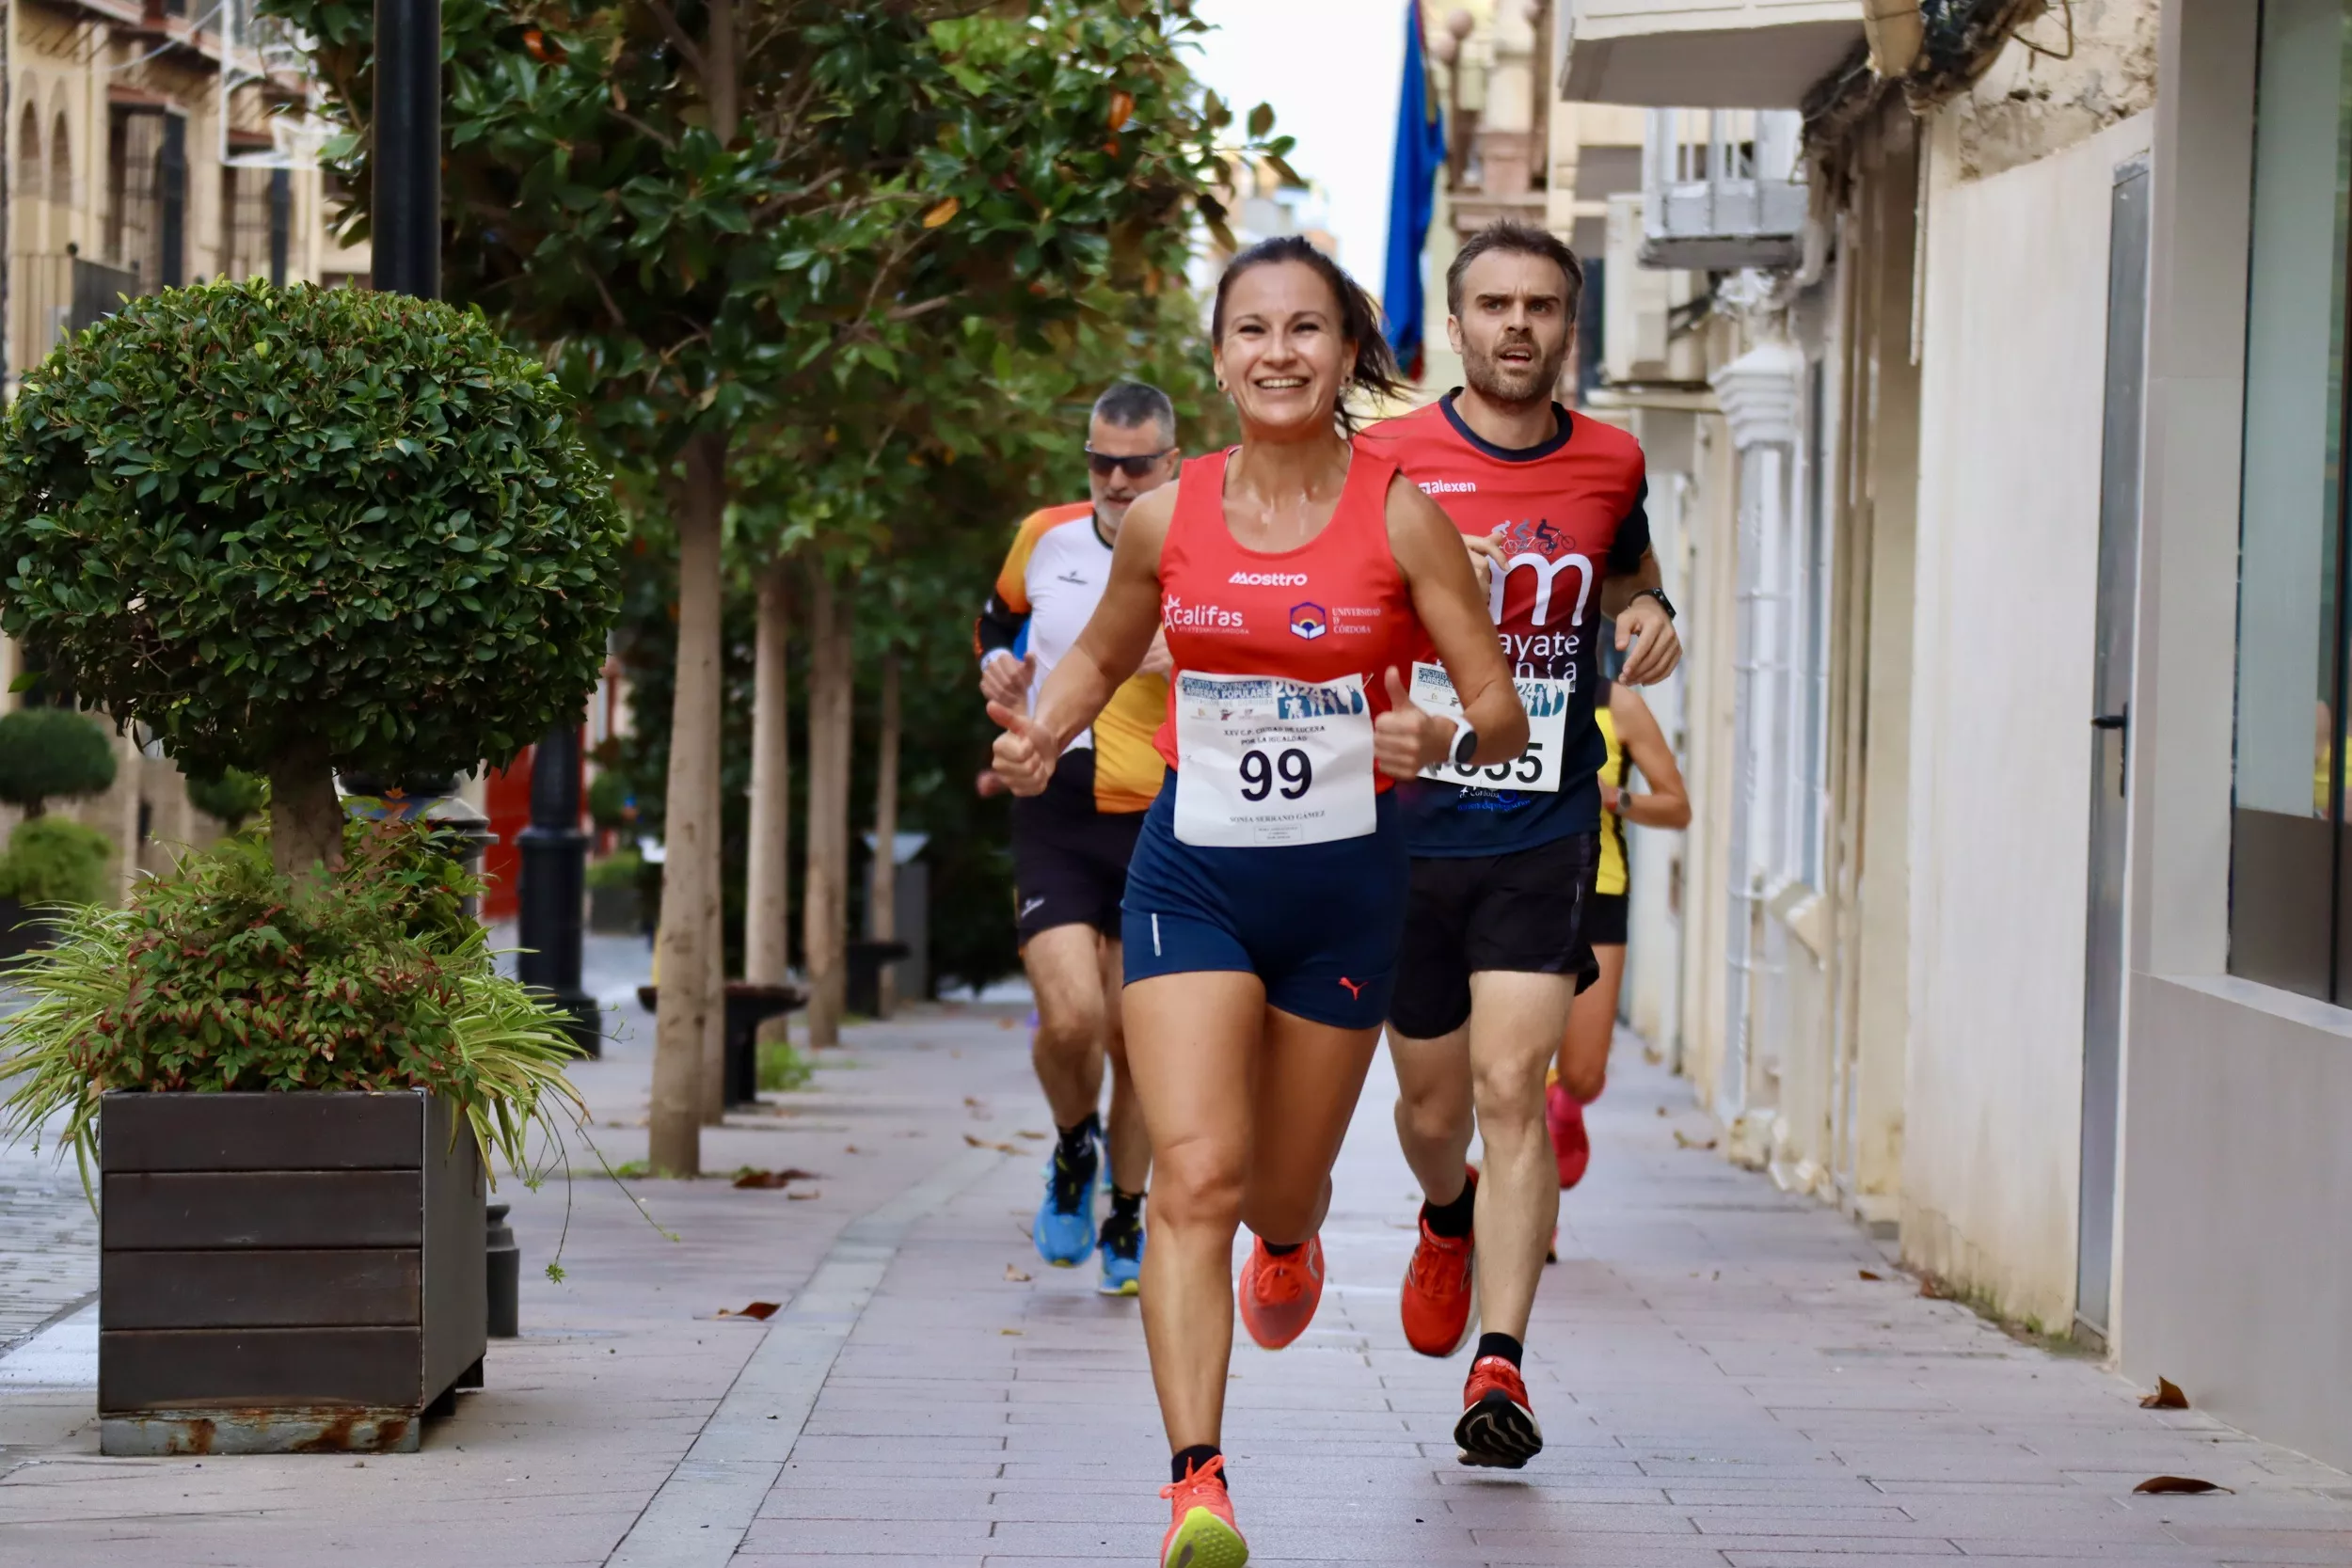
{"type": "Point", "coordinates": [749, 1005]}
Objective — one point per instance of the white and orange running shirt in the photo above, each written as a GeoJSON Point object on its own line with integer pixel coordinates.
{"type": "Point", "coordinates": [1051, 580]}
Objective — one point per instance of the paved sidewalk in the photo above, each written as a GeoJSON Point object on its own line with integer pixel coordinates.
{"type": "Point", "coordinates": [1719, 1385]}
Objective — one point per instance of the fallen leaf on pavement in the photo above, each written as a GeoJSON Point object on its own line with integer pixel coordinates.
{"type": "Point", "coordinates": [2166, 1397]}
{"type": "Point", "coordinates": [759, 1310]}
{"type": "Point", "coordinates": [1868, 1274]}
{"type": "Point", "coordinates": [972, 1100]}
{"type": "Point", "coordinates": [983, 1143]}
{"type": "Point", "coordinates": [1684, 1140]}
{"type": "Point", "coordinates": [804, 1194]}
{"type": "Point", "coordinates": [1025, 1134]}
{"type": "Point", "coordinates": [2179, 1483]}
{"type": "Point", "coordinates": [1015, 1274]}
{"type": "Point", "coordinates": [1010, 1333]}
{"type": "Point", "coordinates": [1662, 1109]}
{"type": "Point", "coordinates": [774, 1178]}
{"type": "Point", "coordinates": [976, 1143]}
{"type": "Point", "coordinates": [1004, 1024]}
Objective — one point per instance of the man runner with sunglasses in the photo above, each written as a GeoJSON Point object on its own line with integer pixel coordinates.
{"type": "Point", "coordinates": [1070, 845]}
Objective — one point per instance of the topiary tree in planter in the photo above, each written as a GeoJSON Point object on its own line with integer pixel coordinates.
{"type": "Point", "coordinates": [49, 752]}
{"type": "Point", "coordinates": [300, 529]}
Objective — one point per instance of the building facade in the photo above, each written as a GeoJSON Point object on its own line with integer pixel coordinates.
{"type": "Point", "coordinates": [2011, 491]}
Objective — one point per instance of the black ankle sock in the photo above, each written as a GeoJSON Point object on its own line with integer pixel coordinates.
{"type": "Point", "coordinates": [1452, 1220]}
{"type": "Point", "coordinates": [1127, 1205]}
{"type": "Point", "coordinates": [1192, 1461]}
{"type": "Point", "coordinates": [1502, 1345]}
{"type": "Point", "coordinates": [1077, 1143]}
{"type": "Point", "coordinates": [1284, 1251]}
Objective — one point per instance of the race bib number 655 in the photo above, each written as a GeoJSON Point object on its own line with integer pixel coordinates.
{"type": "Point", "coordinates": [1536, 769]}
{"type": "Point", "coordinates": [1266, 760]}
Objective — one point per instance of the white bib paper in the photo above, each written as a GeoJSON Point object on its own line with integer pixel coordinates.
{"type": "Point", "coordinates": [1267, 760]}
{"type": "Point", "coordinates": [1536, 769]}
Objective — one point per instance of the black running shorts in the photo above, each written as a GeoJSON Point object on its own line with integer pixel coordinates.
{"type": "Point", "coordinates": [1521, 912]}
{"type": "Point", "coordinates": [1069, 860]}
{"type": "Point", "coordinates": [1605, 920]}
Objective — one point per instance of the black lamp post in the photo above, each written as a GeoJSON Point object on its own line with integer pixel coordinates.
{"type": "Point", "coordinates": [554, 885]}
{"type": "Point", "coordinates": [406, 224]}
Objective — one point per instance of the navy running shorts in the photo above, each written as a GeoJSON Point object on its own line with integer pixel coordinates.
{"type": "Point", "coordinates": [1068, 858]}
{"type": "Point", "coordinates": [1317, 922]}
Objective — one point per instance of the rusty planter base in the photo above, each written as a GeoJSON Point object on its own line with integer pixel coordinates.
{"type": "Point", "coordinates": [329, 1428]}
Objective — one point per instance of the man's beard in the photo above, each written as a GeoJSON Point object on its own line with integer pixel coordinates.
{"type": "Point", "coordinates": [1505, 384]}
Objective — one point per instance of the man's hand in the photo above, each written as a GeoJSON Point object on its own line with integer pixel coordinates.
{"type": "Point", "coordinates": [1006, 679]}
{"type": "Point", "coordinates": [1024, 755]}
{"type": "Point", "coordinates": [1485, 555]}
{"type": "Point", "coordinates": [1406, 739]}
{"type": "Point", "coordinates": [1612, 798]}
{"type": "Point", "coordinates": [1157, 660]}
{"type": "Point", "coordinates": [1657, 646]}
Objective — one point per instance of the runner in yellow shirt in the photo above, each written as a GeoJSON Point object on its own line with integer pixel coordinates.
{"type": "Point", "coordinates": [1635, 744]}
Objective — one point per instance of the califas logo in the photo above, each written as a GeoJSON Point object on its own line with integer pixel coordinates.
{"type": "Point", "coordinates": [1267, 580]}
{"type": "Point", "coordinates": [1198, 617]}
{"type": "Point", "coordinates": [1309, 620]}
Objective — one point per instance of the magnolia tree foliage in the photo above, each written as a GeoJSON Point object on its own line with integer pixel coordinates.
{"type": "Point", "coordinates": [297, 529]}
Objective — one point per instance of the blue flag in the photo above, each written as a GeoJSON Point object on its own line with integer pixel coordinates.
{"type": "Point", "coordinates": [1412, 198]}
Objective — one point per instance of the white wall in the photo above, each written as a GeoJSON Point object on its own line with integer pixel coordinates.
{"type": "Point", "coordinates": [2012, 393]}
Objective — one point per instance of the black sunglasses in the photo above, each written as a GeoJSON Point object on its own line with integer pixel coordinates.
{"type": "Point", "coordinates": [1133, 467]}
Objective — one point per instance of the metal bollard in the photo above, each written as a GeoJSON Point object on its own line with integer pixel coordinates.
{"type": "Point", "coordinates": [505, 1275]}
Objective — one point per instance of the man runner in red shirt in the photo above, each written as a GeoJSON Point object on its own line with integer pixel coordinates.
{"type": "Point", "coordinates": [1503, 856]}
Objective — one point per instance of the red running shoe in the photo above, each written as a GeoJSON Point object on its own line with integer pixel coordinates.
{"type": "Point", "coordinates": [1202, 1533]}
{"type": "Point", "coordinates": [1439, 1302]}
{"type": "Point", "coordinates": [1278, 1295]}
{"type": "Point", "coordinates": [1496, 1429]}
{"type": "Point", "coordinates": [1564, 1115]}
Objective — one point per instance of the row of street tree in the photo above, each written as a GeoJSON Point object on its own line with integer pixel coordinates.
{"type": "Point", "coordinates": [829, 282]}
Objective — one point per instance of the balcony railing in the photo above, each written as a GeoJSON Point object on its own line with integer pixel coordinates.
{"type": "Point", "coordinates": [1721, 190]}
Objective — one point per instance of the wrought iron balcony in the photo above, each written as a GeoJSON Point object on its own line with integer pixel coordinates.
{"type": "Point", "coordinates": [1721, 190]}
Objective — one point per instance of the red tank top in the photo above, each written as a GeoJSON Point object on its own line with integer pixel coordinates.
{"type": "Point", "coordinates": [1335, 606]}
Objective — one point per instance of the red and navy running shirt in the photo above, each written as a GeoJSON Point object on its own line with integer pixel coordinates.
{"type": "Point", "coordinates": [1568, 513]}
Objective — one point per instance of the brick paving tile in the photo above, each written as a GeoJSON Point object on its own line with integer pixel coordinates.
{"type": "Point", "coordinates": [1720, 1388]}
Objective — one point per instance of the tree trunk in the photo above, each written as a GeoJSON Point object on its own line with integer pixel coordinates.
{"type": "Point", "coordinates": [767, 894]}
{"type": "Point", "coordinates": [825, 902]}
{"type": "Point", "coordinates": [713, 1090]}
{"type": "Point", "coordinates": [305, 820]}
{"type": "Point", "coordinates": [881, 899]}
{"type": "Point", "coordinates": [689, 870]}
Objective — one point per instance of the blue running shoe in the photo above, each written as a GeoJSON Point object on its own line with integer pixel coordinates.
{"type": "Point", "coordinates": [1064, 1220]}
{"type": "Point", "coordinates": [1123, 1253]}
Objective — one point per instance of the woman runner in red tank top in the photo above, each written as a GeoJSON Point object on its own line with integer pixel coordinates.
{"type": "Point", "coordinates": [1266, 893]}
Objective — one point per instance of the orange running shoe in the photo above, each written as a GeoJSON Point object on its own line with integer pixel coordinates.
{"type": "Point", "coordinates": [1439, 1302]}
{"type": "Point", "coordinates": [1278, 1295]}
{"type": "Point", "coordinates": [1496, 1429]}
{"type": "Point", "coordinates": [1571, 1146]}
{"type": "Point", "coordinates": [1202, 1533]}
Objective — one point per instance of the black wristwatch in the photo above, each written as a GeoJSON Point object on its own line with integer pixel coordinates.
{"type": "Point", "coordinates": [1658, 593]}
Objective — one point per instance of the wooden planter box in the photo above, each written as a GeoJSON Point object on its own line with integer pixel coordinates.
{"type": "Point", "coordinates": [285, 1273]}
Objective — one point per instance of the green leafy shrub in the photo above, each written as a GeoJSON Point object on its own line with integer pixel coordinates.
{"type": "Point", "coordinates": [621, 870]}
{"type": "Point", "coordinates": [230, 795]}
{"type": "Point", "coordinates": [300, 529]}
{"type": "Point", "coordinates": [53, 859]}
{"type": "Point", "coordinates": [49, 752]}
{"type": "Point", "coordinates": [218, 977]}
{"type": "Point", "coordinates": [783, 1066]}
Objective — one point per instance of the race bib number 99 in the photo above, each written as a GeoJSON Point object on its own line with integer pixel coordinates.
{"type": "Point", "coordinates": [1536, 770]}
{"type": "Point", "coordinates": [1264, 760]}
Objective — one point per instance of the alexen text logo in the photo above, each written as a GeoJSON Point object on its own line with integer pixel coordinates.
{"type": "Point", "coordinates": [1448, 486]}
{"type": "Point", "coordinates": [1309, 620]}
{"type": "Point", "coordinates": [1269, 579]}
{"type": "Point", "coordinates": [1198, 617]}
